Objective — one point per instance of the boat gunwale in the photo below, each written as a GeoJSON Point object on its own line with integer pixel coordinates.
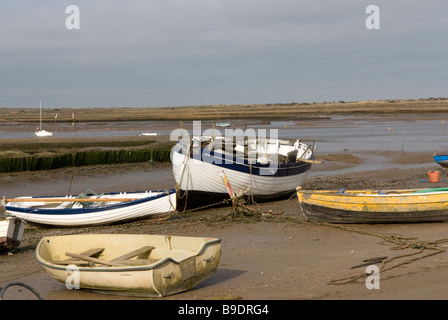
{"type": "Point", "coordinates": [255, 169]}
{"type": "Point", "coordinates": [335, 194]}
{"type": "Point", "coordinates": [232, 160]}
{"type": "Point", "coordinates": [87, 210]}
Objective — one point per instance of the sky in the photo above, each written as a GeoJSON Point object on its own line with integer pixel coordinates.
{"type": "Point", "coordinates": [161, 53]}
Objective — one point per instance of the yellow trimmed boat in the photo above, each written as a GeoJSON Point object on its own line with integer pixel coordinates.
{"type": "Point", "coordinates": [374, 206]}
{"type": "Point", "coordinates": [130, 264]}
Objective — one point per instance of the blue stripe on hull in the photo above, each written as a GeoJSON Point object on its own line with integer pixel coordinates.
{"type": "Point", "coordinates": [244, 166]}
{"type": "Point", "coordinates": [442, 160]}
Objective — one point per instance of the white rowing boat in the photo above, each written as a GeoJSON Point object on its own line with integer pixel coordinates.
{"type": "Point", "coordinates": [137, 265]}
{"type": "Point", "coordinates": [91, 209]}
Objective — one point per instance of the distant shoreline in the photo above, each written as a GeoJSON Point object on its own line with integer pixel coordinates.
{"type": "Point", "coordinates": [227, 112]}
{"type": "Point", "coordinates": [17, 154]}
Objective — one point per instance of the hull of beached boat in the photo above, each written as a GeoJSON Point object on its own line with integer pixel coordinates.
{"type": "Point", "coordinates": [442, 160]}
{"type": "Point", "coordinates": [11, 233]}
{"type": "Point", "coordinates": [127, 206]}
{"type": "Point", "coordinates": [369, 206]}
{"type": "Point", "coordinates": [174, 264]}
{"type": "Point", "coordinates": [200, 181]}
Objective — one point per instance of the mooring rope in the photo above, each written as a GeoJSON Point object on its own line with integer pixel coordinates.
{"type": "Point", "coordinates": [401, 243]}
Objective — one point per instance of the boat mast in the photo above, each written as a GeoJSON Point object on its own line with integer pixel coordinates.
{"type": "Point", "coordinates": [40, 116]}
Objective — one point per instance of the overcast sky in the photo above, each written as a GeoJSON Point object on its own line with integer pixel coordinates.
{"type": "Point", "coordinates": [199, 52]}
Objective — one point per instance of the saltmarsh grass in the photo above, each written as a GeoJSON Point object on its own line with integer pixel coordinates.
{"type": "Point", "coordinates": [20, 161]}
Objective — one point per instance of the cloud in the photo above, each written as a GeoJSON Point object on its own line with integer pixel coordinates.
{"type": "Point", "coordinates": [174, 52]}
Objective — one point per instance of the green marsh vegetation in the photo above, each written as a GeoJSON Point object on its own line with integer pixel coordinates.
{"type": "Point", "coordinates": [16, 156]}
{"type": "Point", "coordinates": [213, 112]}
{"type": "Point", "coordinates": [42, 154]}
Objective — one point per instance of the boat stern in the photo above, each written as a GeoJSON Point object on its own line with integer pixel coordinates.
{"type": "Point", "coordinates": [11, 233]}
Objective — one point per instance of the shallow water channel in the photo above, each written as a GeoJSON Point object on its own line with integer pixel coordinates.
{"type": "Point", "coordinates": [375, 140]}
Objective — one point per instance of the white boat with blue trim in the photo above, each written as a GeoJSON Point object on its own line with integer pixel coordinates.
{"type": "Point", "coordinates": [262, 169]}
{"type": "Point", "coordinates": [90, 208]}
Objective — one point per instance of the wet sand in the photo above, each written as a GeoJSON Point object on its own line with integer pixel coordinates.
{"type": "Point", "coordinates": [265, 256]}
{"type": "Point", "coordinates": [272, 255]}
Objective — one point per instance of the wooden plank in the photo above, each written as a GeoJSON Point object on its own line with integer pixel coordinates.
{"type": "Point", "coordinates": [90, 253]}
{"type": "Point", "coordinates": [70, 199]}
{"type": "Point", "coordinates": [134, 253]}
{"type": "Point", "coordinates": [100, 261]}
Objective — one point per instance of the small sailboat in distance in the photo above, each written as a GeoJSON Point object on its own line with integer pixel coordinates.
{"type": "Point", "coordinates": [223, 124]}
{"type": "Point", "coordinates": [41, 132]}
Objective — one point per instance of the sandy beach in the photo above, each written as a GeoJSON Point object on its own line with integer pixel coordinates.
{"type": "Point", "coordinates": [273, 254]}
